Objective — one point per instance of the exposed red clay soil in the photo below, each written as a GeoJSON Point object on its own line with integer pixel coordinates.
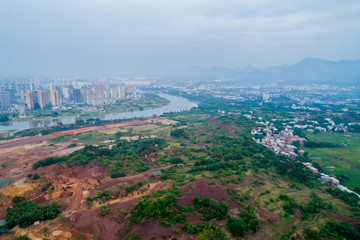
{"type": "Point", "coordinates": [36, 139]}
{"type": "Point", "coordinates": [91, 170]}
{"type": "Point", "coordinates": [201, 189]}
{"type": "Point", "coordinates": [87, 221]}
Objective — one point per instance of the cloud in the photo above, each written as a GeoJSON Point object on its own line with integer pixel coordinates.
{"type": "Point", "coordinates": [113, 36]}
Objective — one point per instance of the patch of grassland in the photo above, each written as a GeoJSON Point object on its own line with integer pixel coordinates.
{"type": "Point", "coordinates": [94, 138]}
{"type": "Point", "coordinates": [60, 139]}
{"type": "Point", "coordinates": [345, 159]}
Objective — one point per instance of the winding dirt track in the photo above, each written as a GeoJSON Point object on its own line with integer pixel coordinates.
{"type": "Point", "coordinates": [37, 139]}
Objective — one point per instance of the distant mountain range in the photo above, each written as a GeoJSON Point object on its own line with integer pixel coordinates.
{"type": "Point", "coordinates": [308, 71]}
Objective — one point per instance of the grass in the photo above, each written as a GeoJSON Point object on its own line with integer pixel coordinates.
{"type": "Point", "coordinates": [61, 139]}
{"type": "Point", "coordinates": [150, 129]}
{"type": "Point", "coordinates": [5, 181]}
{"type": "Point", "coordinates": [94, 137]}
{"type": "Point", "coordinates": [345, 159]}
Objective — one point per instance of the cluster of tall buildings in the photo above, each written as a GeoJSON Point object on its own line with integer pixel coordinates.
{"type": "Point", "coordinates": [37, 99]}
{"type": "Point", "coordinates": [94, 95]}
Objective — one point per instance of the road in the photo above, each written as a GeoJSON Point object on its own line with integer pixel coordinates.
{"type": "Point", "coordinates": [37, 139]}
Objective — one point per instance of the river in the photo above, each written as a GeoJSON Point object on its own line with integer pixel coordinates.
{"type": "Point", "coordinates": [176, 104]}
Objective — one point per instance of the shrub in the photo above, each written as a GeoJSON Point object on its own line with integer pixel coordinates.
{"type": "Point", "coordinates": [211, 208]}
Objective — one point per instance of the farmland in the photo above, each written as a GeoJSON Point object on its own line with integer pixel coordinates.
{"type": "Point", "coordinates": [345, 158]}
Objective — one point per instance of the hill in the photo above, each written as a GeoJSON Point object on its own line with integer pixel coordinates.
{"type": "Point", "coordinates": [307, 71]}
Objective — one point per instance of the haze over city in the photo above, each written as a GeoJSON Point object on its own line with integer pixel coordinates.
{"type": "Point", "coordinates": [131, 38]}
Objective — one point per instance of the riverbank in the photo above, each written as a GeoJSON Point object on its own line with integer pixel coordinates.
{"type": "Point", "coordinates": [147, 101]}
{"type": "Point", "coordinates": [43, 127]}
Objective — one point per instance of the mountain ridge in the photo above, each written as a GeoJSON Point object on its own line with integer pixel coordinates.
{"type": "Point", "coordinates": [307, 71]}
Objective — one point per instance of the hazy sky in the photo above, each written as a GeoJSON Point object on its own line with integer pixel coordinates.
{"type": "Point", "coordinates": [116, 37]}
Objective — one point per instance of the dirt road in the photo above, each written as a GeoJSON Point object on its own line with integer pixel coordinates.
{"type": "Point", "coordinates": [37, 139]}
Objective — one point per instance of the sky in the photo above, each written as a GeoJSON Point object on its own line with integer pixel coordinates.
{"type": "Point", "coordinates": [91, 38]}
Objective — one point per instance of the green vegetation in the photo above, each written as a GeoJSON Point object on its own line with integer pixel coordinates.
{"type": "Point", "coordinates": [349, 198]}
{"type": "Point", "coordinates": [25, 213]}
{"type": "Point", "coordinates": [23, 238]}
{"type": "Point", "coordinates": [289, 205]}
{"type": "Point", "coordinates": [211, 208]}
{"type": "Point", "coordinates": [311, 144]}
{"type": "Point", "coordinates": [104, 210]}
{"type": "Point", "coordinates": [247, 221]}
{"type": "Point", "coordinates": [4, 118]}
{"type": "Point", "coordinates": [133, 187]}
{"type": "Point", "coordinates": [120, 160]}
{"type": "Point", "coordinates": [343, 159]}
{"type": "Point", "coordinates": [179, 133]}
{"type": "Point", "coordinates": [314, 207]}
{"type": "Point", "coordinates": [209, 155]}
{"type": "Point", "coordinates": [46, 186]}
{"type": "Point", "coordinates": [158, 206]}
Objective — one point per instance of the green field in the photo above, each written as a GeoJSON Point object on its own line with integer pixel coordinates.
{"type": "Point", "coordinates": [94, 137]}
{"type": "Point", "coordinates": [345, 159]}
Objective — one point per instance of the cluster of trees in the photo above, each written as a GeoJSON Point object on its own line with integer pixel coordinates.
{"type": "Point", "coordinates": [211, 208]}
{"type": "Point", "coordinates": [176, 160]}
{"type": "Point", "coordinates": [4, 118]}
{"type": "Point", "coordinates": [246, 221]}
{"type": "Point", "coordinates": [333, 230]}
{"type": "Point", "coordinates": [204, 231]}
{"type": "Point", "coordinates": [349, 198]}
{"type": "Point", "coordinates": [134, 152]}
{"type": "Point", "coordinates": [314, 207]}
{"type": "Point", "coordinates": [158, 206]}
{"type": "Point", "coordinates": [133, 187]}
{"type": "Point", "coordinates": [294, 170]}
{"type": "Point", "coordinates": [179, 133]}
{"type": "Point", "coordinates": [289, 205]}
{"type": "Point", "coordinates": [48, 161]}
{"type": "Point", "coordinates": [25, 213]}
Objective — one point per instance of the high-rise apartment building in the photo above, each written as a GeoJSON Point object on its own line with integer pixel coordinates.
{"type": "Point", "coordinates": [54, 97]}
{"type": "Point", "coordinates": [77, 96]}
{"type": "Point", "coordinates": [43, 99]}
{"type": "Point", "coordinates": [114, 93]}
{"type": "Point", "coordinates": [121, 92]}
{"type": "Point", "coordinates": [130, 90]}
{"type": "Point", "coordinates": [31, 99]}
{"type": "Point", "coordinates": [5, 98]}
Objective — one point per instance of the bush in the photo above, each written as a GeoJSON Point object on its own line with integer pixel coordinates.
{"type": "Point", "coordinates": [247, 221]}
{"type": "Point", "coordinates": [104, 210]}
{"type": "Point", "coordinates": [46, 186]}
{"type": "Point", "coordinates": [176, 160]}
{"type": "Point", "coordinates": [179, 133]}
{"type": "Point", "coordinates": [159, 208]}
{"type": "Point", "coordinates": [48, 161]}
{"type": "Point", "coordinates": [211, 234]}
{"type": "Point", "coordinates": [349, 198]}
{"type": "Point", "coordinates": [118, 175]}
{"type": "Point", "coordinates": [289, 205]}
{"type": "Point", "coordinates": [35, 176]}
{"type": "Point", "coordinates": [211, 208]}
{"type": "Point", "coordinates": [237, 227]}
{"type": "Point", "coordinates": [334, 230]}
{"type": "Point", "coordinates": [133, 187]}
{"type": "Point", "coordinates": [17, 199]}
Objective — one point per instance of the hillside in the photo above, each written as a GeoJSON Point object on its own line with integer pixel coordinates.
{"type": "Point", "coordinates": [201, 178]}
